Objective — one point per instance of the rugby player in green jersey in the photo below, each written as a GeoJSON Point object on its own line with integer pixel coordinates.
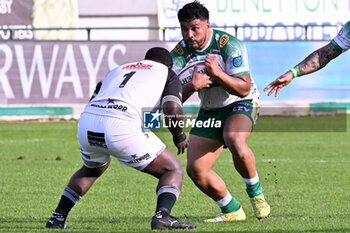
{"type": "Point", "coordinates": [315, 61]}
{"type": "Point", "coordinates": [227, 93]}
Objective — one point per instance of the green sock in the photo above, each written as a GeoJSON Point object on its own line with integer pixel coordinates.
{"type": "Point", "coordinates": [232, 206]}
{"type": "Point", "coordinates": [254, 190]}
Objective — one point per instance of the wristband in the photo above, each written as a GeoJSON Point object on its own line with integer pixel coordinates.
{"type": "Point", "coordinates": [180, 138]}
{"type": "Point", "coordinates": [295, 72]}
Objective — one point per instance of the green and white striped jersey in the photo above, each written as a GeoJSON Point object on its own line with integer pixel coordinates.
{"type": "Point", "coordinates": [233, 60]}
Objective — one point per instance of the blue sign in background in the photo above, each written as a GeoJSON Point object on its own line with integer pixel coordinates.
{"type": "Point", "coordinates": [269, 60]}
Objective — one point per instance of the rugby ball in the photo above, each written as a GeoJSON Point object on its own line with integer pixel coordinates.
{"type": "Point", "coordinates": [185, 75]}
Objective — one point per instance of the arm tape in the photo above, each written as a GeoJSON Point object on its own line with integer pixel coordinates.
{"type": "Point", "coordinates": [295, 72]}
{"type": "Point", "coordinates": [171, 98]}
{"type": "Point", "coordinates": [178, 139]}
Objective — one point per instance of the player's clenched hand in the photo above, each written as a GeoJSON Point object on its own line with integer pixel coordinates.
{"type": "Point", "coordinates": [200, 80]}
{"type": "Point", "coordinates": [280, 82]}
{"type": "Point", "coordinates": [212, 65]}
{"type": "Point", "coordinates": [181, 147]}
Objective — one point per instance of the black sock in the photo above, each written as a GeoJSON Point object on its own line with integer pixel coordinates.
{"type": "Point", "coordinates": [68, 199]}
{"type": "Point", "coordinates": [165, 203]}
{"type": "Point", "coordinates": [63, 208]}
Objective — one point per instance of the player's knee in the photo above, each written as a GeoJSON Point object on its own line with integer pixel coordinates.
{"type": "Point", "coordinates": [95, 172]}
{"type": "Point", "coordinates": [180, 172]}
{"type": "Point", "coordinates": [193, 172]}
{"type": "Point", "coordinates": [233, 140]}
{"type": "Point", "coordinates": [177, 168]}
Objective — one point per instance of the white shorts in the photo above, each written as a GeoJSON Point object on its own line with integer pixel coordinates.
{"type": "Point", "coordinates": [101, 137]}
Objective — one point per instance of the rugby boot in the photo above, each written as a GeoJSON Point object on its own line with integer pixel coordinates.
{"type": "Point", "coordinates": [238, 215]}
{"type": "Point", "coordinates": [169, 222]}
{"type": "Point", "coordinates": [54, 223]}
{"type": "Point", "coordinates": [260, 207]}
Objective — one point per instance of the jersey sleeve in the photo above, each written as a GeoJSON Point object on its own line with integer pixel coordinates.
{"type": "Point", "coordinates": [342, 41]}
{"type": "Point", "coordinates": [178, 55]}
{"type": "Point", "coordinates": [173, 89]}
{"type": "Point", "coordinates": [235, 56]}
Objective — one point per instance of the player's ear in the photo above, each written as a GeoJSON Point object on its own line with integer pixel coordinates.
{"type": "Point", "coordinates": [208, 24]}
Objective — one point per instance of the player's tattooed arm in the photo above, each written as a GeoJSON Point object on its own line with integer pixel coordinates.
{"type": "Point", "coordinates": [318, 59]}
{"type": "Point", "coordinates": [315, 61]}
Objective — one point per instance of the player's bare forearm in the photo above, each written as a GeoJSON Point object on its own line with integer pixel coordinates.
{"type": "Point", "coordinates": [187, 91]}
{"type": "Point", "coordinates": [239, 86]}
{"type": "Point", "coordinates": [318, 59]}
{"type": "Point", "coordinates": [173, 115]}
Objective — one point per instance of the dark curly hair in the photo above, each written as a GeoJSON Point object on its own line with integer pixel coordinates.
{"type": "Point", "coordinates": [160, 55]}
{"type": "Point", "coordinates": [193, 10]}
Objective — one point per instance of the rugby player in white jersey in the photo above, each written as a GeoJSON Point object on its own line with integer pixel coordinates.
{"type": "Point", "coordinates": [315, 61]}
{"type": "Point", "coordinates": [111, 125]}
{"type": "Point", "coordinates": [228, 93]}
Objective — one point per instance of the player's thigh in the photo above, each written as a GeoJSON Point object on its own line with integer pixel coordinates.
{"type": "Point", "coordinates": [237, 126]}
{"type": "Point", "coordinates": [240, 121]}
{"type": "Point", "coordinates": [236, 132]}
{"type": "Point", "coordinates": [165, 162]}
{"type": "Point", "coordinates": [101, 137]}
{"type": "Point", "coordinates": [137, 149]}
{"type": "Point", "coordinates": [92, 141]}
{"type": "Point", "coordinates": [202, 153]}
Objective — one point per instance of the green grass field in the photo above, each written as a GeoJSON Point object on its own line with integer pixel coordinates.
{"type": "Point", "coordinates": [305, 177]}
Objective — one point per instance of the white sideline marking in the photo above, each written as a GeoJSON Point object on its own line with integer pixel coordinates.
{"type": "Point", "coordinates": [290, 160]}
{"type": "Point", "coordinates": [23, 140]}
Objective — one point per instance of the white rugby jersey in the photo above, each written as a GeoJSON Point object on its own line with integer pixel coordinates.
{"type": "Point", "coordinates": [342, 40]}
{"type": "Point", "coordinates": [129, 88]}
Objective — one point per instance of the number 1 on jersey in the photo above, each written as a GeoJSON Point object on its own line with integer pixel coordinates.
{"type": "Point", "coordinates": [127, 77]}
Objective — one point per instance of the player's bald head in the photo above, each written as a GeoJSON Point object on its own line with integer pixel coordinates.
{"type": "Point", "coordinates": [161, 55]}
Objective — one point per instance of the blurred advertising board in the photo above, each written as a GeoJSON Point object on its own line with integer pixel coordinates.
{"type": "Point", "coordinates": [16, 14]}
{"type": "Point", "coordinates": [256, 16]}
{"type": "Point", "coordinates": [20, 15]}
{"type": "Point", "coordinates": [67, 72]}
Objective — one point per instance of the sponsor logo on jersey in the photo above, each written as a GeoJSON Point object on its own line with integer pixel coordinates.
{"type": "Point", "coordinates": [236, 60]}
{"type": "Point", "coordinates": [217, 37]}
{"type": "Point", "coordinates": [241, 107]}
{"type": "Point", "coordinates": [188, 56]}
{"type": "Point", "coordinates": [186, 73]}
{"type": "Point", "coordinates": [143, 157]}
{"type": "Point", "coordinates": [119, 107]}
{"type": "Point", "coordinates": [216, 50]}
{"type": "Point", "coordinates": [178, 49]}
{"type": "Point", "coordinates": [223, 40]}
{"type": "Point", "coordinates": [138, 66]}
{"type": "Point", "coordinates": [110, 101]}
{"type": "Point", "coordinates": [186, 79]}
{"type": "Point", "coordinates": [151, 119]}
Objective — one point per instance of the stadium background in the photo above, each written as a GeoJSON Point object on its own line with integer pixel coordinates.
{"type": "Point", "coordinates": [50, 73]}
